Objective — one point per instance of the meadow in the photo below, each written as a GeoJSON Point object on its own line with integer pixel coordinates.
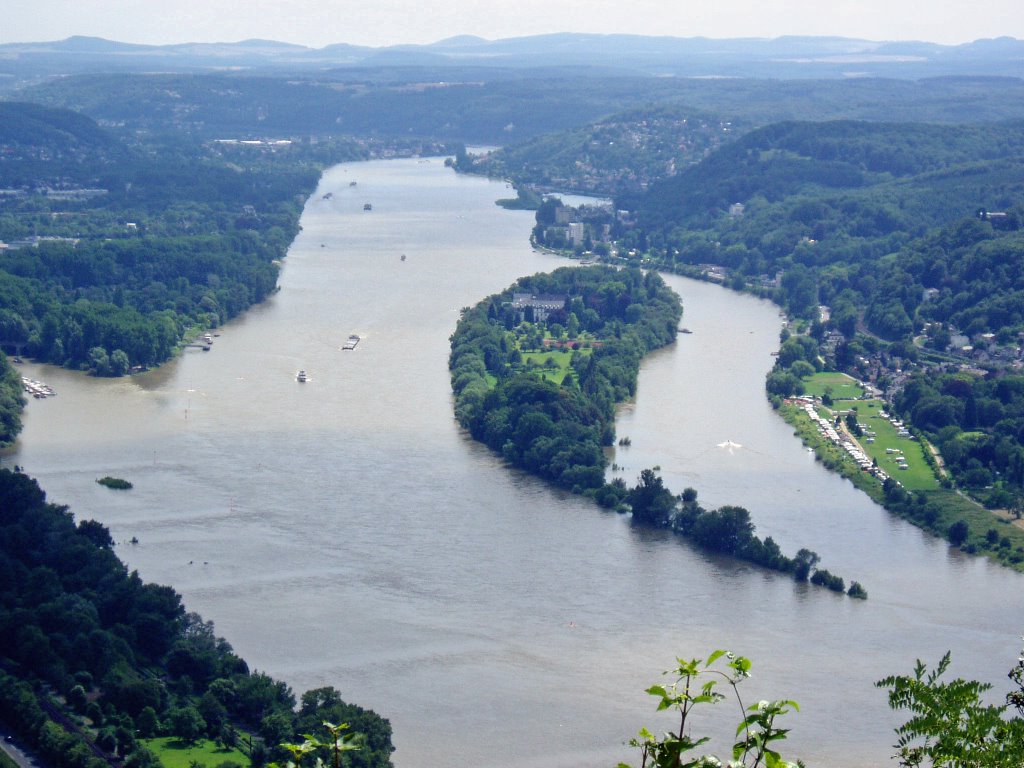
{"type": "Point", "coordinates": [175, 753]}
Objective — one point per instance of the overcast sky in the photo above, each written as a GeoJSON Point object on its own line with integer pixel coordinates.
{"type": "Point", "coordinates": [385, 22]}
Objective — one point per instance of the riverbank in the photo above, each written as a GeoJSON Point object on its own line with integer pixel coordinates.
{"type": "Point", "coordinates": [926, 500]}
{"type": "Point", "coordinates": [432, 563]}
{"type": "Point", "coordinates": [936, 509]}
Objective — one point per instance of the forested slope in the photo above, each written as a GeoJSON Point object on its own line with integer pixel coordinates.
{"type": "Point", "coordinates": [93, 659]}
{"type": "Point", "coordinates": [120, 247]}
{"type": "Point", "coordinates": [839, 207]}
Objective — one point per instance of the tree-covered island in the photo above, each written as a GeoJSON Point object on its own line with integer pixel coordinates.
{"type": "Point", "coordinates": [895, 251]}
{"type": "Point", "coordinates": [537, 371]}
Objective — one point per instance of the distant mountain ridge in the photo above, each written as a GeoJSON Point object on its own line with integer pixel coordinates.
{"type": "Point", "coordinates": [787, 56]}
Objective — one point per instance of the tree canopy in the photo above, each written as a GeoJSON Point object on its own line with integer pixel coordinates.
{"type": "Point", "coordinates": [75, 621]}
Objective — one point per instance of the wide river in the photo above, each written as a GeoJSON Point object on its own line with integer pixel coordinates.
{"type": "Point", "coordinates": [346, 532]}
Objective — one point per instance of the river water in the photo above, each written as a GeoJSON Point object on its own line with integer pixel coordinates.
{"type": "Point", "coordinates": [346, 532]}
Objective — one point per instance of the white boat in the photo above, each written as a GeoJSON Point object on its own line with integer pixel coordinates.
{"type": "Point", "coordinates": [301, 376]}
{"type": "Point", "coordinates": [353, 340]}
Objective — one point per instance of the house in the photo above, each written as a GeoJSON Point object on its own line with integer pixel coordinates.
{"type": "Point", "coordinates": [541, 304]}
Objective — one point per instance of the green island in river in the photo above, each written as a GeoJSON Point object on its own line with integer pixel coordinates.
{"type": "Point", "coordinates": [537, 372]}
{"type": "Point", "coordinates": [894, 249]}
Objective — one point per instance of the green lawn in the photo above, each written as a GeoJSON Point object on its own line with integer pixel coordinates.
{"type": "Point", "coordinates": [173, 753]}
{"type": "Point", "coordinates": [935, 508]}
{"type": "Point", "coordinates": [845, 391]}
{"type": "Point", "coordinates": [919, 475]}
{"type": "Point", "coordinates": [6, 762]}
{"type": "Point", "coordinates": [842, 387]}
{"type": "Point", "coordinates": [554, 371]}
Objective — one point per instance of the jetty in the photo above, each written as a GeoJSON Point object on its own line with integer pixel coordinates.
{"type": "Point", "coordinates": [205, 343]}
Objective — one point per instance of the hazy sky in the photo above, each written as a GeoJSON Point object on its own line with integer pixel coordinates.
{"type": "Point", "coordinates": [383, 22]}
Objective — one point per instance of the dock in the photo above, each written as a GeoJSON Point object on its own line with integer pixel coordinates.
{"type": "Point", "coordinates": [205, 343]}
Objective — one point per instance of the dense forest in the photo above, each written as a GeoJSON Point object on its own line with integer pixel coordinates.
{"type": "Point", "coordinates": [483, 105]}
{"type": "Point", "coordinates": [120, 248]}
{"type": "Point", "coordinates": [620, 154]}
{"type": "Point", "coordinates": [625, 153]}
{"type": "Point", "coordinates": [824, 193]}
{"type": "Point", "coordinates": [12, 401]}
{"type": "Point", "coordinates": [537, 372]}
{"type": "Point", "coordinates": [978, 425]}
{"type": "Point", "coordinates": [492, 105]}
{"type": "Point", "coordinates": [94, 661]}
{"type": "Point", "coordinates": [893, 226]}
{"type": "Point", "coordinates": [861, 217]}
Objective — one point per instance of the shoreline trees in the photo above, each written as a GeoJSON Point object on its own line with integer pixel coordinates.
{"type": "Point", "coordinates": [555, 422]}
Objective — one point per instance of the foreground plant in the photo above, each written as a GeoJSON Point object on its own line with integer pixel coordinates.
{"type": "Point", "coordinates": [340, 742]}
{"type": "Point", "coordinates": [951, 725]}
{"type": "Point", "coordinates": [696, 683]}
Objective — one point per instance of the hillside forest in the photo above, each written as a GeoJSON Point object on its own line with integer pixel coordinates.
{"type": "Point", "coordinates": [95, 663]}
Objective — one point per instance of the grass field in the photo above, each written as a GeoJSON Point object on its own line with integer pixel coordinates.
{"type": "Point", "coordinates": [842, 387]}
{"type": "Point", "coordinates": [173, 753]}
{"type": "Point", "coordinates": [6, 762]}
{"type": "Point", "coordinates": [554, 371]}
{"type": "Point", "coordinates": [933, 508]}
{"type": "Point", "coordinates": [919, 475]}
{"type": "Point", "coordinates": [845, 392]}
